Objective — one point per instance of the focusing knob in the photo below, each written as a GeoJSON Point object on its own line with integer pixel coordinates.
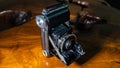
{"type": "Point", "coordinates": [46, 54]}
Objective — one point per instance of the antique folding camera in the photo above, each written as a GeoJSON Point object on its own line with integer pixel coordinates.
{"type": "Point", "coordinates": [56, 33]}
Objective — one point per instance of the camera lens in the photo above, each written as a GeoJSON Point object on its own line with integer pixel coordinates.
{"type": "Point", "coordinates": [69, 43]}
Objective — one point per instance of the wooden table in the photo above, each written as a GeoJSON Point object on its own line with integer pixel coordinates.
{"type": "Point", "coordinates": [20, 46]}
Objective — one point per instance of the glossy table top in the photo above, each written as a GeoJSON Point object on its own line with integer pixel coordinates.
{"type": "Point", "coordinates": [20, 46]}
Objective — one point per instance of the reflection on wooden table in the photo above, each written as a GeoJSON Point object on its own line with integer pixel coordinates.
{"type": "Point", "coordinates": [20, 47]}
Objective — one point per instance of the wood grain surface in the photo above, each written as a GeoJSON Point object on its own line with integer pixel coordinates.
{"type": "Point", "coordinates": [20, 46]}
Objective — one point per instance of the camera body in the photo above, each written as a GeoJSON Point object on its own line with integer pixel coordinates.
{"type": "Point", "coordinates": [56, 33]}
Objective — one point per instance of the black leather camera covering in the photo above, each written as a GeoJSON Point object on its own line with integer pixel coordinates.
{"type": "Point", "coordinates": [58, 16]}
